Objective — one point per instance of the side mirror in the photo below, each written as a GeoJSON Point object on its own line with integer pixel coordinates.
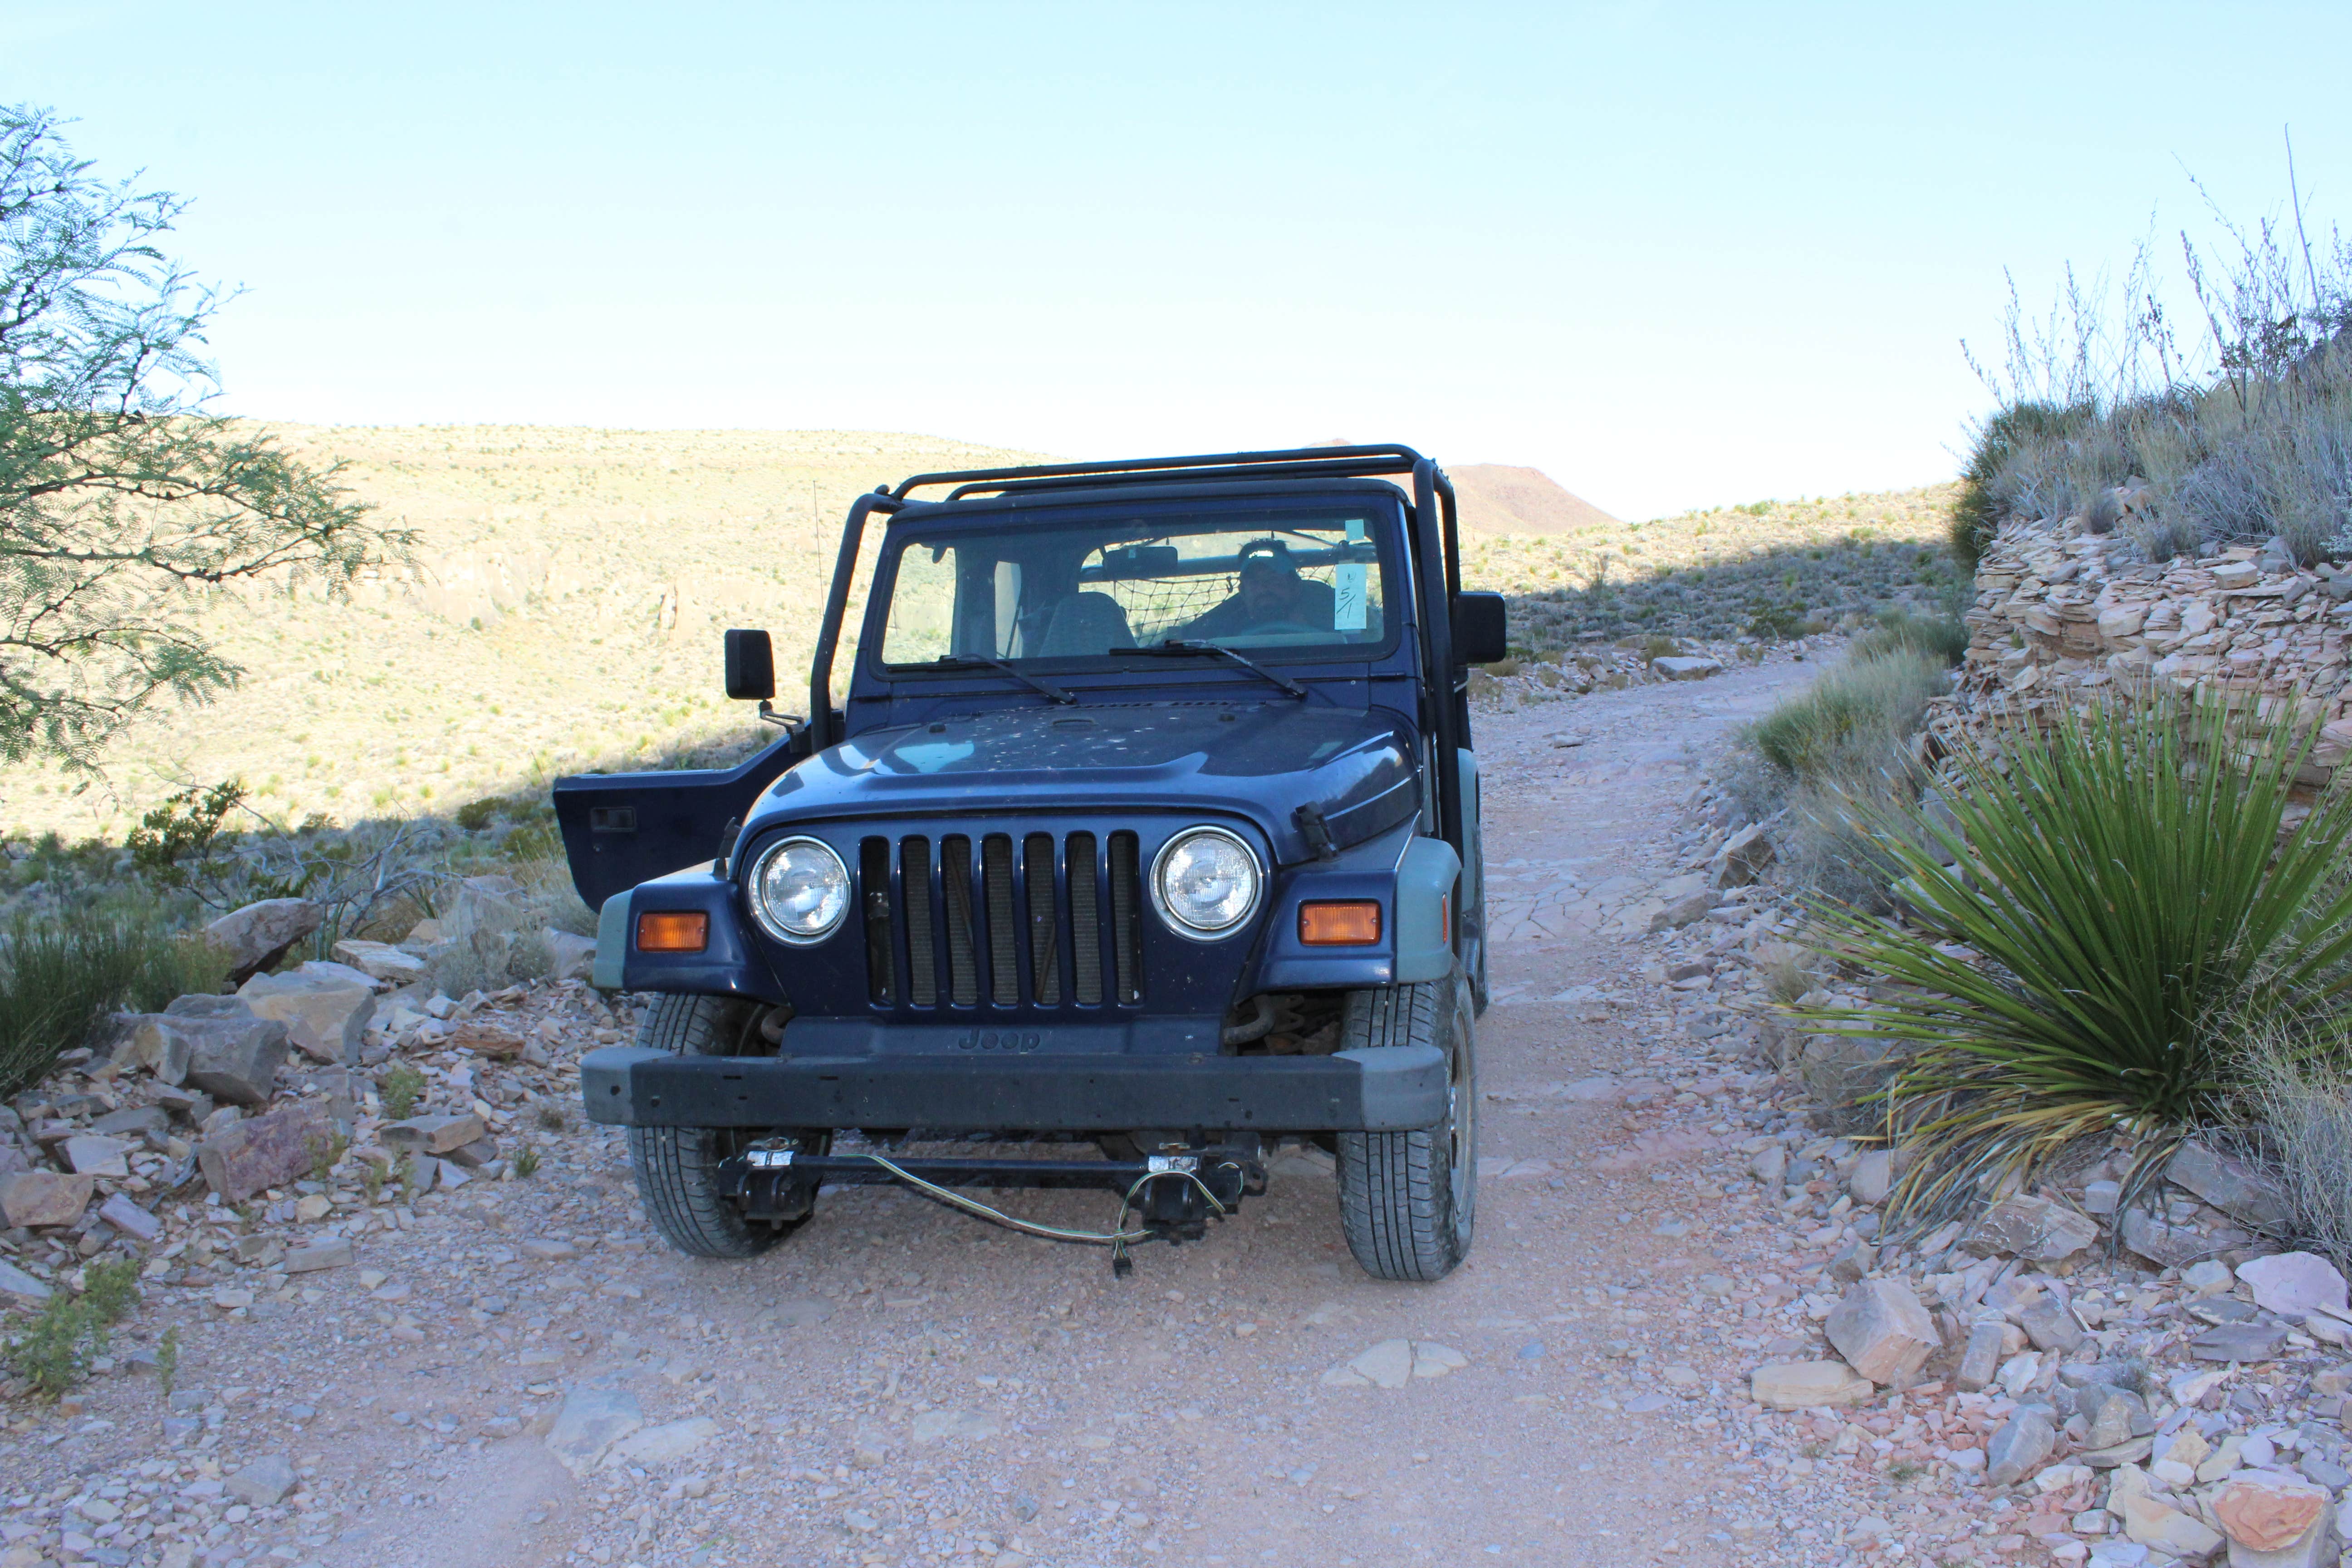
{"type": "Point", "coordinates": [1480, 636]}
{"type": "Point", "coordinates": [751, 666]}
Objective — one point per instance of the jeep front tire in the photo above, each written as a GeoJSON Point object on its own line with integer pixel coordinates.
{"type": "Point", "coordinates": [678, 1167]}
{"type": "Point", "coordinates": [1408, 1200]}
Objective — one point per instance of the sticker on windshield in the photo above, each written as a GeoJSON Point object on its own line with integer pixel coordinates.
{"type": "Point", "coordinates": [1347, 586]}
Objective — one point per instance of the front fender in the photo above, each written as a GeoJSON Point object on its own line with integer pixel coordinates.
{"type": "Point", "coordinates": [1411, 877]}
{"type": "Point", "coordinates": [731, 964]}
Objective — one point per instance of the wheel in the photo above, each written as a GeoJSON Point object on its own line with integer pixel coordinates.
{"type": "Point", "coordinates": [1408, 1200]}
{"type": "Point", "coordinates": [678, 1167]}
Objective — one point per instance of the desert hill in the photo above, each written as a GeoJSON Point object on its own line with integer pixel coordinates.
{"type": "Point", "coordinates": [1498, 501]}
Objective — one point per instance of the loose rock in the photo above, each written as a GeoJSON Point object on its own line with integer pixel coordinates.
{"type": "Point", "coordinates": [44, 1197]}
{"type": "Point", "coordinates": [1883, 1330]}
{"type": "Point", "coordinates": [264, 1151]}
{"type": "Point", "coordinates": [325, 1013]}
{"type": "Point", "coordinates": [258, 935]}
{"type": "Point", "coordinates": [1801, 1385]}
{"type": "Point", "coordinates": [263, 1482]}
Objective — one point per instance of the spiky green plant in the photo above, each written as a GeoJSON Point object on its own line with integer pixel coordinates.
{"type": "Point", "coordinates": [2126, 892]}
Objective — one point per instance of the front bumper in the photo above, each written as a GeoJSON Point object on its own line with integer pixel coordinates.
{"type": "Point", "coordinates": [1391, 1089]}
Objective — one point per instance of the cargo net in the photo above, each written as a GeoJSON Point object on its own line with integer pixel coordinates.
{"type": "Point", "coordinates": [1159, 608]}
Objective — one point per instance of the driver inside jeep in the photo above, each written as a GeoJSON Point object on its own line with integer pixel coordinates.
{"type": "Point", "coordinates": [1272, 597]}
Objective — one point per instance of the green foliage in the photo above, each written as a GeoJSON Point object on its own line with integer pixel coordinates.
{"type": "Point", "coordinates": [1772, 619]}
{"type": "Point", "coordinates": [122, 497]}
{"type": "Point", "coordinates": [399, 1089]}
{"type": "Point", "coordinates": [167, 1359]}
{"type": "Point", "coordinates": [372, 1179]}
{"type": "Point", "coordinates": [1855, 723]}
{"type": "Point", "coordinates": [179, 835]}
{"type": "Point", "coordinates": [55, 1351]}
{"type": "Point", "coordinates": [526, 1164]}
{"type": "Point", "coordinates": [61, 974]}
{"type": "Point", "coordinates": [1899, 631]}
{"type": "Point", "coordinates": [2124, 898]}
{"type": "Point", "coordinates": [326, 1153]}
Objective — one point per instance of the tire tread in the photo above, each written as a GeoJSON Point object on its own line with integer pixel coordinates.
{"type": "Point", "coordinates": [1397, 1208]}
{"type": "Point", "coordinates": [676, 1168]}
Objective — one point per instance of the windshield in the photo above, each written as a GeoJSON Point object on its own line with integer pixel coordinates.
{"type": "Point", "coordinates": [1284, 585]}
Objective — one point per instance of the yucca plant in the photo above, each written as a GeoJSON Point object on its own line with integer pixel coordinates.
{"type": "Point", "coordinates": [2125, 891]}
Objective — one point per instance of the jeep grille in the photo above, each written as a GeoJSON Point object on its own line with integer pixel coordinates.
{"type": "Point", "coordinates": [1030, 924]}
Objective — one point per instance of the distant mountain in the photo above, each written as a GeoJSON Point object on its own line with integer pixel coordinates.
{"type": "Point", "coordinates": [1497, 499]}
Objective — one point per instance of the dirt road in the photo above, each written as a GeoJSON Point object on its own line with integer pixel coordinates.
{"type": "Point", "coordinates": [897, 1384]}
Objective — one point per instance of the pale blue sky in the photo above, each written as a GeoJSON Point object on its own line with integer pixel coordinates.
{"type": "Point", "coordinates": [1674, 255]}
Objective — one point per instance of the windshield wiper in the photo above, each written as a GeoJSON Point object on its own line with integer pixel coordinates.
{"type": "Point", "coordinates": [973, 661]}
{"type": "Point", "coordinates": [1197, 648]}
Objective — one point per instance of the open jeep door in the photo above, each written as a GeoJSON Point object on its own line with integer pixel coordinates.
{"type": "Point", "coordinates": [621, 829]}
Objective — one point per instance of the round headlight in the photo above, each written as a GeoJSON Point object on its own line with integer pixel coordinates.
{"type": "Point", "coordinates": [800, 890]}
{"type": "Point", "coordinates": [1205, 882]}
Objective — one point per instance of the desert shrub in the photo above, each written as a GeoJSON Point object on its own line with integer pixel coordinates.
{"type": "Point", "coordinates": [1851, 724]}
{"type": "Point", "coordinates": [1943, 636]}
{"type": "Point", "coordinates": [213, 846]}
{"type": "Point", "coordinates": [54, 1349]}
{"type": "Point", "coordinates": [399, 1090]}
{"type": "Point", "coordinates": [2298, 1102]}
{"type": "Point", "coordinates": [1990, 490]}
{"type": "Point", "coordinates": [497, 942]}
{"type": "Point", "coordinates": [62, 972]}
{"type": "Point", "coordinates": [2238, 438]}
{"type": "Point", "coordinates": [2120, 885]}
{"type": "Point", "coordinates": [476, 815]}
{"type": "Point", "coordinates": [1831, 843]}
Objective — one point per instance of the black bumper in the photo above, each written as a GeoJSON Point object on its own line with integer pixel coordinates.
{"type": "Point", "coordinates": [1392, 1089]}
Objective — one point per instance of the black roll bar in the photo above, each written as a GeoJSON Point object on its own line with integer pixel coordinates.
{"type": "Point", "coordinates": [1430, 563]}
{"type": "Point", "coordinates": [1302, 461]}
{"type": "Point", "coordinates": [836, 604]}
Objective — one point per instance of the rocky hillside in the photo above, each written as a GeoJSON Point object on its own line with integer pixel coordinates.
{"type": "Point", "coordinates": [570, 591]}
{"type": "Point", "coordinates": [571, 585]}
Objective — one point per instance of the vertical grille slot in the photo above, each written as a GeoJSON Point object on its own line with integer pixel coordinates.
{"type": "Point", "coordinates": [874, 886]}
{"type": "Point", "coordinates": [1044, 950]}
{"type": "Point", "coordinates": [963, 943]}
{"type": "Point", "coordinates": [1086, 921]}
{"type": "Point", "coordinates": [985, 921]}
{"type": "Point", "coordinates": [1003, 957]}
{"type": "Point", "coordinates": [922, 947]}
{"type": "Point", "coordinates": [1125, 911]}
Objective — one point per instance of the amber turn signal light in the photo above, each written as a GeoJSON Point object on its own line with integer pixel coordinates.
{"type": "Point", "coordinates": [672, 931]}
{"type": "Point", "coordinates": [1350, 922]}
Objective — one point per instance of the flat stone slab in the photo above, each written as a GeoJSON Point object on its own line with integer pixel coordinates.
{"type": "Point", "coordinates": [591, 1420]}
{"type": "Point", "coordinates": [2238, 1343]}
{"type": "Point", "coordinates": [1801, 1385]}
{"type": "Point", "coordinates": [659, 1445]}
{"type": "Point", "coordinates": [1392, 1364]}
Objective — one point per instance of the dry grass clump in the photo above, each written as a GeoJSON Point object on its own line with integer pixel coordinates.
{"type": "Point", "coordinates": [2298, 1101]}
{"type": "Point", "coordinates": [2242, 435]}
{"type": "Point", "coordinates": [62, 972]}
{"type": "Point", "coordinates": [1828, 765]}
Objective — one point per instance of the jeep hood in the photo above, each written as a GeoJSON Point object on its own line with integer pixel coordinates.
{"type": "Point", "coordinates": [1264, 761]}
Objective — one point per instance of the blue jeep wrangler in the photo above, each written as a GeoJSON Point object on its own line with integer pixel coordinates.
{"type": "Point", "coordinates": [1148, 824]}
